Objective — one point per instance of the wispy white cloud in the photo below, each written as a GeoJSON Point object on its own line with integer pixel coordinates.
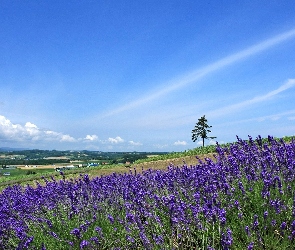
{"type": "Point", "coordinates": [177, 143]}
{"type": "Point", "coordinates": [273, 117]}
{"type": "Point", "coordinates": [238, 106]}
{"type": "Point", "coordinates": [135, 143]}
{"type": "Point", "coordinates": [277, 116]}
{"type": "Point", "coordinates": [56, 136]}
{"type": "Point", "coordinates": [192, 77]}
{"type": "Point", "coordinates": [211, 142]}
{"type": "Point", "coordinates": [160, 146]}
{"type": "Point", "coordinates": [116, 140]}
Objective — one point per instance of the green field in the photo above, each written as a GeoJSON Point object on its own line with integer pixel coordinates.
{"type": "Point", "coordinates": [240, 197]}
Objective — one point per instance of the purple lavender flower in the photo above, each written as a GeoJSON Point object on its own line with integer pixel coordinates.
{"type": "Point", "coordinates": [283, 226]}
{"type": "Point", "coordinates": [95, 239]}
{"type": "Point", "coordinates": [130, 239]}
{"type": "Point", "coordinates": [145, 240]}
{"type": "Point", "coordinates": [28, 242]}
{"type": "Point", "coordinates": [84, 244]}
{"type": "Point", "coordinates": [255, 222]}
{"type": "Point", "coordinates": [250, 246]}
{"type": "Point", "coordinates": [158, 239]}
{"type": "Point", "coordinates": [111, 219]}
{"type": "Point", "coordinates": [222, 216]}
{"type": "Point", "coordinates": [265, 214]}
{"type": "Point", "coordinates": [186, 195]}
{"type": "Point", "coordinates": [130, 218]}
{"type": "Point", "coordinates": [247, 230]}
{"type": "Point", "coordinates": [76, 232]}
{"type": "Point", "coordinates": [49, 223]}
{"type": "Point", "coordinates": [273, 222]}
{"type": "Point", "coordinates": [226, 240]}
{"type": "Point", "coordinates": [54, 234]}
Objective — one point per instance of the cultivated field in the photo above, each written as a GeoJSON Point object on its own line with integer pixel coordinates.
{"type": "Point", "coordinates": [243, 198]}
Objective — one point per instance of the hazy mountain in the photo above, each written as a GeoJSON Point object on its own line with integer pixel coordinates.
{"type": "Point", "coordinates": [6, 149]}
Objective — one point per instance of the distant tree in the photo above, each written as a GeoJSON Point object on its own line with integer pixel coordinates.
{"type": "Point", "coordinates": [201, 130]}
{"type": "Point", "coordinates": [30, 172]}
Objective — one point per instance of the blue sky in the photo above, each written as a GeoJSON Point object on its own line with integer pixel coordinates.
{"type": "Point", "coordinates": [137, 75]}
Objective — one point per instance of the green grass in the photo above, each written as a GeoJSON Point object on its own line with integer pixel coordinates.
{"type": "Point", "coordinates": [239, 216]}
{"type": "Point", "coordinates": [19, 176]}
{"type": "Point", "coordinates": [199, 151]}
{"type": "Point", "coordinates": [21, 172]}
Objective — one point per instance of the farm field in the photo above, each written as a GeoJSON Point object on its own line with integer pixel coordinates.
{"type": "Point", "coordinates": [243, 197]}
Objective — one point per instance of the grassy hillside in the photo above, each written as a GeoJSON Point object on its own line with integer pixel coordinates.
{"type": "Point", "coordinates": [242, 199]}
{"type": "Point", "coordinates": [187, 157]}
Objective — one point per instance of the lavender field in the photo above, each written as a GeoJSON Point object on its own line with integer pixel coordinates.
{"type": "Point", "coordinates": [244, 198]}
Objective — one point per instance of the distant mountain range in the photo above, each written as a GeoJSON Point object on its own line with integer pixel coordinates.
{"type": "Point", "coordinates": [7, 149]}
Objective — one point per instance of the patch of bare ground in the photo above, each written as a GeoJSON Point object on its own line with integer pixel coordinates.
{"type": "Point", "coordinates": [97, 172]}
{"type": "Point", "coordinates": [160, 164]}
{"type": "Point", "coordinates": [163, 164]}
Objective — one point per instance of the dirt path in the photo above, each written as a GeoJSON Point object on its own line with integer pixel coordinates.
{"type": "Point", "coordinates": [163, 164]}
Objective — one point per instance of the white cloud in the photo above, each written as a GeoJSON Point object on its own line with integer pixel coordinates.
{"type": "Point", "coordinates": [211, 142]}
{"type": "Point", "coordinates": [51, 133]}
{"type": "Point", "coordinates": [67, 138]}
{"type": "Point", "coordinates": [29, 131]}
{"type": "Point", "coordinates": [92, 147]}
{"type": "Point", "coordinates": [32, 130]}
{"type": "Point", "coordinates": [291, 118]}
{"type": "Point", "coordinates": [159, 146]}
{"type": "Point", "coordinates": [91, 137]}
{"type": "Point", "coordinates": [177, 143]}
{"type": "Point", "coordinates": [264, 118]}
{"type": "Point", "coordinates": [237, 107]}
{"type": "Point", "coordinates": [12, 131]}
{"type": "Point", "coordinates": [116, 140]}
{"type": "Point", "coordinates": [135, 143]}
{"type": "Point", "coordinates": [55, 136]}
{"type": "Point", "coordinates": [192, 77]}
{"type": "Point", "coordinates": [275, 118]}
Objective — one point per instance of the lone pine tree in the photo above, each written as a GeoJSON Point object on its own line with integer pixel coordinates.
{"type": "Point", "coordinates": [201, 130]}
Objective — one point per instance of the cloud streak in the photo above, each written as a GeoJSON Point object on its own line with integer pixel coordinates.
{"type": "Point", "coordinates": [196, 75]}
{"type": "Point", "coordinates": [178, 143]}
{"type": "Point", "coordinates": [235, 107]}
{"type": "Point", "coordinates": [133, 143]}
{"type": "Point", "coordinates": [289, 115]}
